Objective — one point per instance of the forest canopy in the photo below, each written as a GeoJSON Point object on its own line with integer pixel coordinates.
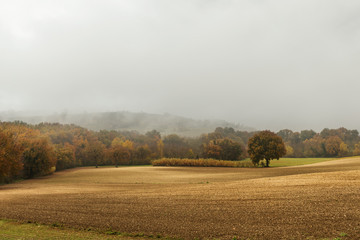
{"type": "Point", "coordinates": [28, 150]}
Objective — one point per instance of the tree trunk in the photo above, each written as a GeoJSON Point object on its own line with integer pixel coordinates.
{"type": "Point", "coordinates": [267, 162]}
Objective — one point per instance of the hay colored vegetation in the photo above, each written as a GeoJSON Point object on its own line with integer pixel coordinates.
{"type": "Point", "coordinates": [282, 162]}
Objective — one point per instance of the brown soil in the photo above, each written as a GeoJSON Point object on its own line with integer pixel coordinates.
{"type": "Point", "coordinates": [313, 201]}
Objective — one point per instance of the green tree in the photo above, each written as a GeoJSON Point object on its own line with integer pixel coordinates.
{"type": "Point", "coordinates": [307, 134]}
{"type": "Point", "coordinates": [142, 154]}
{"type": "Point", "coordinates": [175, 146]}
{"type": "Point", "coordinates": [286, 135]}
{"type": "Point", "coordinates": [265, 145]}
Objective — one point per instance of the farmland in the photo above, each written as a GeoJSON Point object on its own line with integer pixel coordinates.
{"type": "Point", "coordinates": [316, 201]}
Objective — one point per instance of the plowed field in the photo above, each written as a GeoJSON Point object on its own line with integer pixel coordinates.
{"type": "Point", "coordinates": [312, 201]}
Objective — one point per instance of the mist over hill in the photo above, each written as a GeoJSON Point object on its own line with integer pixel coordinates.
{"type": "Point", "coordinates": [140, 121]}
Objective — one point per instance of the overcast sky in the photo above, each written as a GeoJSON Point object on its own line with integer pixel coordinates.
{"type": "Point", "coordinates": [267, 64]}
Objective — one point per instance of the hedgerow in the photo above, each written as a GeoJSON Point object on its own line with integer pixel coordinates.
{"type": "Point", "coordinates": [199, 162]}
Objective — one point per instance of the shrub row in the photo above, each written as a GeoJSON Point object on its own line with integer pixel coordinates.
{"type": "Point", "coordinates": [199, 162]}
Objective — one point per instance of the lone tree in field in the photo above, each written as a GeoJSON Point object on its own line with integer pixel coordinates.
{"type": "Point", "coordinates": [265, 145]}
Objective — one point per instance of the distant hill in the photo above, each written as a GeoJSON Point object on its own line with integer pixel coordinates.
{"type": "Point", "coordinates": [141, 122]}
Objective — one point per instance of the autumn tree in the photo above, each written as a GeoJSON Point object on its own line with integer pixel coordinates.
{"type": "Point", "coordinates": [10, 157]}
{"type": "Point", "coordinates": [38, 158]}
{"type": "Point", "coordinates": [314, 147]}
{"type": "Point", "coordinates": [155, 144]}
{"type": "Point", "coordinates": [106, 137]}
{"type": "Point", "coordinates": [332, 146]}
{"type": "Point", "coordinates": [289, 151]}
{"type": "Point", "coordinates": [266, 145]}
{"type": "Point", "coordinates": [356, 151]}
{"type": "Point", "coordinates": [190, 154]}
{"type": "Point", "coordinates": [95, 152]}
{"type": "Point", "coordinates": [175, 146]}
{"type": "Point", "coordinates": [344, 150]}
{"type": "Point", "coordinates": [224, 149]}
{"type": "Point", "coordinates": [293, 142]}
{"type": "Point", "coordinates": [350, 137]}
{"type": "Point", "coordinates": [212, 150]}
{"type": "Point", "coordinates": [65, 156]}
{"type": "Point", "coordinates": [142, 154]}
{"type": "Point", "coordinates": [80, 145]}
{"type": "Point", "coordinates": [160, 148]}
{"type": "Point", "coordinates": [121, 152]}
{"type": "Point", "coordinates": [120, 155]}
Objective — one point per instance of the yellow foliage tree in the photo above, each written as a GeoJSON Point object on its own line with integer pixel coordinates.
{"type": "Point", "coordinates": [160, 148]}
{"type": "Point", "coordinates": [121, 152]}
{"type": "Point", "coordinates": [289, 151]}
{"type": "Point", "coordinates": [344, 150]}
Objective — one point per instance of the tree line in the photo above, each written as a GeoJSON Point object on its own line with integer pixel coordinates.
{"type": "Point", "coordinates": [339, 142]}
{"type": "Point", "coordinates": [28, 151]}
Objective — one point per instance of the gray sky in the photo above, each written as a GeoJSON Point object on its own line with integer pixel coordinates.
{"type": "Point", "coordinates": [267, 64]}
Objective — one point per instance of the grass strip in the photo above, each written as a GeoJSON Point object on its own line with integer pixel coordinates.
{"type": "Point", "coordinates": [11, 229]}
{"type": "Point", "coordinates": [282, 162]}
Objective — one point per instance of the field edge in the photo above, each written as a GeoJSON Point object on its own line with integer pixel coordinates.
{"type": "Point", "coordinates": [24, 229]}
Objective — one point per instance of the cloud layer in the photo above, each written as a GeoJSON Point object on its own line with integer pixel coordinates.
{"type": "Point", "coordinates": [267, 64]}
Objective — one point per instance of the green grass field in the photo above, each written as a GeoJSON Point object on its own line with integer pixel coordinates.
{"type": "Point", "coordinates": [288, 162]}
{"type": "Point", "coordinates": [26, 231]}
{"type": "Point", "coordinates": [10, 230]}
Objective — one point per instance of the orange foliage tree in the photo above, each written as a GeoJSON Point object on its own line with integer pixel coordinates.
{"type": "Point", "coordinates": [38, 157]}
{"type": "Point", "coordinates": [332, 146]}
{"type": "Point", "coordinates": [10, 157]}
